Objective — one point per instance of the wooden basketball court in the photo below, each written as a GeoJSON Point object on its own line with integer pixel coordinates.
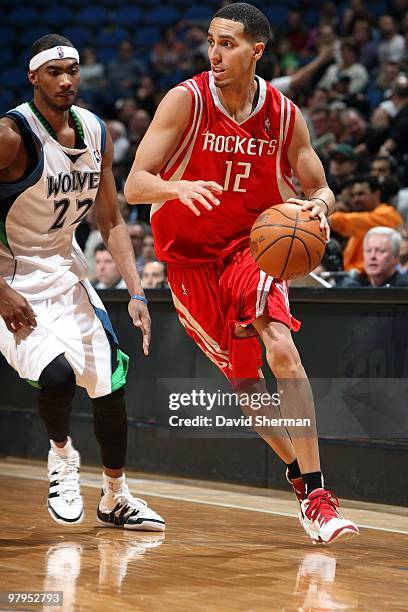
{"type": "Point", "coordinates": [226, 548]}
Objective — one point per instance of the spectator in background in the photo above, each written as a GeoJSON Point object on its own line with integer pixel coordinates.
{"type": "Point", "coordinates": [381, 250]}
{"type": "Point", "coordinates": [138, 124]}
{"type": "Point", "coordinates": [331, 266]}
{"type": "Point", "coordinates": [107, 275]}
{"type": "Point", "coordinates": [367, 212]}
{"type": "Point", "coordinates": [367, 49]}
{"type": "Point", "coordinates": [145, 95]}
{"type": "Point", "coordinates": [92, 72]}
{"type": "Point", "coordinates": [154, 275]}
{"type": "Point", "coordinates": [323, 137]}
{"type": "Point", "coordinates": [137, 232]}
{"type": "Point", "coordinates": [403, 265]}
{"type": "Point", "coordinates": [396, 143]}
{"type": "Point", "coordinates": [119, 138]}
{"type": "Point", "coordinates": [300, 77]}
{"type": "Point", "coordinates": [342, 167]}
{"type": "Point", "coordinates": [387, 75]}
{"type": "Point", "coordinates": [382, 166]}
{"type": "Point", "coordinates": [148, 249]}
{"type": "Point", "coordinates": [365, 139]}
{"type": "Point", "coordinates": [348, 67]}
{"type": "Point", "coordinates": [125, 73]}
{"type": "Point", "coordinates": [392, 45]}
{"type": "Point", "coordinates": [169, 54]}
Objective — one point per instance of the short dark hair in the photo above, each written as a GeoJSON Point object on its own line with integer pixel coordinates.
{"type": "Point", "coordinates": [101, 246]}
{"type": "Point", "coordinates": [48, 42]}
{"type": "Point", "coordinates": [372, 181]}
{"type": "Point", "coordinates": [256, 25]}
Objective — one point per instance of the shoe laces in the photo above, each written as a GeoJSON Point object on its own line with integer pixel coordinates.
{"type": "Point", "coordinates": [68, 477]}
{"type": "Point", "coordinates": [323, 506]}
{"type": "Point", "coordinates": [125, 497]}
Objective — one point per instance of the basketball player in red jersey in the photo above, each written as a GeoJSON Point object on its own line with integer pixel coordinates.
{"type": "Point", "coordinates": [219, 151]}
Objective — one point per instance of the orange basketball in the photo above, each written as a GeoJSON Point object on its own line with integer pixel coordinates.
{"type": "Point", "coordinates": [286, 243]}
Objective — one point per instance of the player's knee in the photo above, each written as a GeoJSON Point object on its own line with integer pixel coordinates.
{"type": "Point", "coordinates": [283, 357]}
{"type": "Point", "coordinates": [110, 405]}
{"type": "Point", "coordinates": [58, 376]}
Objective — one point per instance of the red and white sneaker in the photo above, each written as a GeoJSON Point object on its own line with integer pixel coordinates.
{"type": "Point", "coordinates": [320, 519]}
{"type": "Point", "coordinates": [298, 486]}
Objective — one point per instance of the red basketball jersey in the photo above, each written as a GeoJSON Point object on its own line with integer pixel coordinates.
{"type": "Point", "coordinates": [249, 159]}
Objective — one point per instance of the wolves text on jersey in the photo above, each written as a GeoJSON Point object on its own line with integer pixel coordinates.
{"type": "Point", "coordinates": [237, 144]}
{"type": "Point", "coordinates": [72, 181]}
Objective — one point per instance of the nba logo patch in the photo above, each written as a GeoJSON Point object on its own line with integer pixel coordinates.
{"type": "Point", "coordinates": [267, 125]}
{"type": "Point", "coordinates": [98, 156]}
{"type": "Point", "coordinates": [60, 51]}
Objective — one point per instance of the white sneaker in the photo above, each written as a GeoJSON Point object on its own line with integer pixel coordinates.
{"type": "Point", "coordinates": [321, 520]}
{"type": "Point", "coordinates": [65, 503]}
{"type": "Point", "coordinates": [121, 509]}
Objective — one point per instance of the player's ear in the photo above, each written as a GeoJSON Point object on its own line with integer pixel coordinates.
{"type": "Point", "coordinates": [258, 50]}
{"type": "Point", "coordinates": [32, 77]}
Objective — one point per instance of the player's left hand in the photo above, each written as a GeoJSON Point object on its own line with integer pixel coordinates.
{"type": "Point", "coordinates": [315, 213]}
{"type": "Point", "coordinates": [140, 316]}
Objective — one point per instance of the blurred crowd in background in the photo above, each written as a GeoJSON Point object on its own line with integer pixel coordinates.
{"type": "Point", "coordinates": [344, 64]}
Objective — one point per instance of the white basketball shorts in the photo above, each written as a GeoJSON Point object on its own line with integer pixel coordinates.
{"type": "Point", "coordinates": [77, 325]}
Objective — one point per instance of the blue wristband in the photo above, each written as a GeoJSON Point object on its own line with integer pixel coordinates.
{"type": "Point", "coordinates": [139, 297]}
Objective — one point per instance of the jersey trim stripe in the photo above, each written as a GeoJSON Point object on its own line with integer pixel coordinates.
{"type": "Point", "coordinates": [180, 149]}
{"type": "Point", "coordinates": [195, 326]}
{"type": "Point", "coordinates": [103, 133]}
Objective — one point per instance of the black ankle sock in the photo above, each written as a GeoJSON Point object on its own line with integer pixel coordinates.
{"type": "Point", "coordinates": [293, 470]}
{"type": "Point", "coordinates": [313, 480]}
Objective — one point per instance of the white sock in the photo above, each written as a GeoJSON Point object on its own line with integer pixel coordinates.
{"type": "Point", "coordinates": [65, 450]}
{"type": "Point", "coordinates": [112, 485]}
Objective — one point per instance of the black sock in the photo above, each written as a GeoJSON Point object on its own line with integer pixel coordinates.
{"type": "Point", "coordinates": [313, 480]}
{"type": "Point", "coordinates": [293, 470]}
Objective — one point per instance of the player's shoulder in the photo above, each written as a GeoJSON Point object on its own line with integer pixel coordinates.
{"type": "Point", "coordinates": [86, 115]}
{"type": "Point", "coordinates": [10, 135]}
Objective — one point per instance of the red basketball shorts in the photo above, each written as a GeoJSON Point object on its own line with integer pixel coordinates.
{"type": "Point", "coordinates": [217, 303]}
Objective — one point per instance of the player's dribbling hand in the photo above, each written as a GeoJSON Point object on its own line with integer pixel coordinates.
{"type": "Point", "coordinates": [15, 310]}
{"type": "Point", "coordinates": [200, 192]}
{"type": "Point", "coordinates": [140, 316]}
{"type": "Point", "coordinates": [316, 212]}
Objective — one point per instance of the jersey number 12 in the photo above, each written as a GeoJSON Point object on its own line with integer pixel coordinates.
{"type": "Point", "coordinates": [235, 180]}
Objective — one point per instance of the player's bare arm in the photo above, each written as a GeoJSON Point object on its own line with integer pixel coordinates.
{"type": "Point", "coordinates": [14, 309]}
{"type": "Point", "coordinates": [159, 143]}
{"type": "Point", "coordinates": [117, 240]}
{"type": "Point", "coordinates": [309, 170]}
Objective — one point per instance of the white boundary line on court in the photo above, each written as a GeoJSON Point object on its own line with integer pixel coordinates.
{"type": "Point", "coordinates": [135, 481]}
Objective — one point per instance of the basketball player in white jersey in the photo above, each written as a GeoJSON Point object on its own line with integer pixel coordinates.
{"type": "Point", "coordinates": [55, 163]}
{"type": "Point", "coordinates": [219, 151]}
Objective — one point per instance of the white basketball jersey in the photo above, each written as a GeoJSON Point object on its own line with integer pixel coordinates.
{"type": "Point", "coordinates": [39, 256]}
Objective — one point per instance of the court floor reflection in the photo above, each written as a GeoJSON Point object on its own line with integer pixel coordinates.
{"type": "Point", "coordinates": [316, 587]}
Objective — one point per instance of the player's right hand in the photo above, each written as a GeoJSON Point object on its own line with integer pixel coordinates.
{"type": "Point", "coordinates": [15, 310]}
{"type": "Point", "coordinates": [205, 193]}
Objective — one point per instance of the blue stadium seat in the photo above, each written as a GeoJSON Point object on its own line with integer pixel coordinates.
{"type": "Point", "coordinates": [7, 58]}
{"type": "Point", "coordinates": [277, 15]}
{"type": "Point", "coordinates": [162, 16]}
{"type": "Point", "coordinates": [78, 35]}
{"type": "Point", "coordinates": [93, 16]}
{"type": "Point", "coordinates": [147, 36]}
{"type": "Point", "coordinates": [199, 13]}
{"type": "Point", "coordinates": [22, 16]}
{"type": "Point", "coordinates": [57, 16]}
{"type": "Point", "coordinates": [112, 38]}
{"type": "Point", "coordinates": [6, 101]}
{"type": "Point", "coordinates": [7, 35]}
{"type": "Point", "coordinates": [33, 33]}
{"type": "Point", "coordinates": [127, 15]}
{"type": "Point", "coordinates": [106, 54]}
{"type": "Point", "coordinates": [13, 78]}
